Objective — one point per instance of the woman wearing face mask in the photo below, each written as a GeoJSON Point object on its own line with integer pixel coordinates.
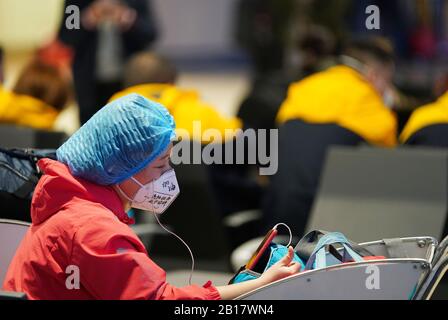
{"type": "Point", "coordinates": [79, 245]}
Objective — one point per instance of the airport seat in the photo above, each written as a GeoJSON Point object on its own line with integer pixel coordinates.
{"type": "Point", "coordinates": [371, 193]}
{"type": "Point", "coordinates": [400, 277]}
{"type": "Point", "coordinates": [12, 136]}
{"type": "Point", "coordinates": [435, 135]}
{"type": "Point", "coordinates": [11, 234]}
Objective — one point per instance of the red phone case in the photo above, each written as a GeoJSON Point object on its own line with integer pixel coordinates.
{"type": "Point", "coordinates": [261, 249]}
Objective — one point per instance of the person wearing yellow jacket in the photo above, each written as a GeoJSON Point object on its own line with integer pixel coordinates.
{"type": "Point", "coordinates": [347, 96]}
{"type": "Point", "coordinates": [26, 111]}
{"type": "Point", "coordinates": [36, 100]}
{"type": "Point", "coordinates": [428, 125]}
{"type": "Point", "coordinates": [342, 105]}
{"type": "Point", "coordinates": [153, 77]}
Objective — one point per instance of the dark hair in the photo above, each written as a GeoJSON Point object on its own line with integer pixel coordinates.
{"type": "Point", "coordinates": [147, 67]}
{"type": "Point", "coordinates": [375, 49]}
{"type": "Point", "coordinates": [318, 40]}
{"type": "Point", "coordinates": [44, 82]}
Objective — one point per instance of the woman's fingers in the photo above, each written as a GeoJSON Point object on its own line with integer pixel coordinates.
{"type": "Point", "coordinates": [289, 256]}
{"type": "Point", "coordinates": [294, 267]}
{"type": "Point", "coordinates": [287, 259]}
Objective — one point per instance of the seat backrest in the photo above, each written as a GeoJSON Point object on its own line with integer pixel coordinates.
{"type": "Point", "coordinates": [303, 147]}
{"type": "Point", "coordinates": [372, 193]}
{"type": "Point", "coordinates": [397, 281]}
{"type": "Point", "coordinates": [413, 248]}
{"type": "Point", "coordinates": [435, 135]}
{"type": "Point", "coordinates": [23, 137]}
{"type": "Point", "coordinates": [11, 234]}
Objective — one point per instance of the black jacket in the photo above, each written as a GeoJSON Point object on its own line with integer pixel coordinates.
{"type": "Point", "coordinates": [84, 44]}
{"type": "Point", "coordinates": [435, 135]}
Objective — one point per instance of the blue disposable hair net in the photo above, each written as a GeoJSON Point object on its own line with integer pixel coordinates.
{"type": "Point", "coordinates": [121, 139]}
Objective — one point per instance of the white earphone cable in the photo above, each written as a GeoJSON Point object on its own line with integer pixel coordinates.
{"type": "Point", "coordinates": [289, 229]}
{"type": "Point", "coordinates": [189, 250]}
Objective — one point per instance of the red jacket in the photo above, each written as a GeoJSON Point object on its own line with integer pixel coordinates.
{"type": "Point", "coordinates": [78, 225]}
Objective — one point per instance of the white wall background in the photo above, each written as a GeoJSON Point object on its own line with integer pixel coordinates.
{"type": "Point", "coordinates": [26, 24]}
{"type": "Point", "coordinates": [195, 27]}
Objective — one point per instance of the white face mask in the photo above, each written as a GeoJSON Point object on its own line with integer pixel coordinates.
{"type": "Point", "coordinates": [155, 196]}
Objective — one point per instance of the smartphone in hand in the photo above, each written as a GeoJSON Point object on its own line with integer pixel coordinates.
{"type": "Point", "coordinates": [261, 249]}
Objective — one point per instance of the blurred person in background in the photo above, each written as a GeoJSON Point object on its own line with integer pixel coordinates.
{"type": "Point", "coordinates": [39, 95]}
{"type": "Point", "coordinates": [262, 31]}
{"type": "Point", "coordinates": [111, 31]}
{"type": "Point", "coordinates": [428, 125]}
{"type": "Point", "coordinates": [57, 54]}
{"type": "Point", "coordinates": [366, 68]}
{"type": "Point", "coordinates": [154, 77]}
{"type": "Point", "coordinates": [316, 49]}
{"type": "Point", "coordinates": [345, 105]}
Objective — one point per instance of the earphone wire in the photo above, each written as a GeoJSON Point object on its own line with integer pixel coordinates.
{"type": "Point", "coordinates": [289, 229]}
{"type": "Point", "coordinates": [185, 244]}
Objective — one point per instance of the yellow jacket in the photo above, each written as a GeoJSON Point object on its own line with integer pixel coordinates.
{"type": "Point", "coordinates": [186, 107]}
{"type": "Point", "coordinates": [427, 115]}
{"type": "Point", "coordinates": [26, 111]}
{"type": "Point", "coordinates": [340, 95]}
